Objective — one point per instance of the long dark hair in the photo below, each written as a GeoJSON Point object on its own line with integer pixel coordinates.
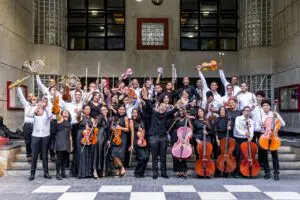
{"type": "Point", "coordinates": [204, 115]}
{"type": "Point", "coordinates": [69, 118]}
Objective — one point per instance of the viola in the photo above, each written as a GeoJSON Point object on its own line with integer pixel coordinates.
{"type": "Point", "coordinates": [117, 135]}
{"type": "Point", "coordinates": [56, 107]}
{"type": "Point", "coordinates": [270, 140]}
{"type": "Point", "coordinates": [67, 96]}
{"type": "Point", "coordinates": [204, 166]}
{"type": "Point", "coordinates": [182, 149]}
{"type": "Point", "coordinates": [249, 166]}
{"type": "Point", "coordinates": [226, 161]}
{"type": "Point", "coordinates": [141, 141]}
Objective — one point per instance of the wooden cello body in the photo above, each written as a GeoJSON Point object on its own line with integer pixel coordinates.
{"type": "Point", "coordinates": [204, 166]}
{"type": "Point", "coordinates": [226, 162]}
{"type": "Point", "coordinates": [249, 165]}
{"type": "Point", "coordinates": [182, 149]}
{"type": "Point", "coordinates": [270, 140]}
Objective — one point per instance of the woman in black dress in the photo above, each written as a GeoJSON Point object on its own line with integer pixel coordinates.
{"type": "Point", "coordinates": [198, 129]}
{"type": "Point", "coordinates": [142, 152]}
{"type": "Point", "coordinates": [180, 166]}
{"type": "Point", "coordinates": [95, 105]}
{"type": "Point", "coordinates": [84, 152]}
{"type": "Point", "coordinates": [100, 148]}
{"type": "Point", "coordinates": [62, 143]}
{"type": "Point", "coordinates": [121, 123]}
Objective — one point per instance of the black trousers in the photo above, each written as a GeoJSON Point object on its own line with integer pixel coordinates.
{"type": "Point", "coordinates": [255, 139]}
{"type": "Point", "coordinates": [266, 161]}
{"type": "Point", "coordinates": [237, 152]}
{"type": "Point", "coordinates": [74, 132]}
{"type": "Point", "coordinates": [213, 139]}
{"type": "Point", "coordinates": [147, 124]}
{"type": "Point", "coordinates": [142, 158]}
{"type": "Point", "coordinates": [39, 145]}
{"type": "Point", "coordinates": [61, 161]}
{"type": "Point", "coordinates": [158, 146]}
{"type": "Point", "coordinates": [27, 130]}
{"type": "Point", "coordinates": [53, 131]}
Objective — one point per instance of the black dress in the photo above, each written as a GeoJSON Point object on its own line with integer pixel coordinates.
{"type": "Point", "coordinates": [101, 147]}
{"type": "Point", "coordinates": [142, 153]}
{"type": "Point", "coordinates": [95, 110]}
{"type": "Point", "coordinates": [84, 152]}
{"type": "Point", "coordinates": [120, 150]}
{"type": "Point", "coordinates": [62, 137]}
{"type": "Point", "coordinates": [178, 165]}
{"type": "Point", "coordinates": [198, 128]}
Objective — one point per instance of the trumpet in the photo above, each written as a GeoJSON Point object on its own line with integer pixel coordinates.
{"type": "Point", "coordinates": [208, 66]}
{"type": "Point", "coordinates": [17, 82]}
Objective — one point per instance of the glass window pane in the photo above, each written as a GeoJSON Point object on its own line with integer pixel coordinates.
{"type": "Point", "coordinates": [96, 4]}
{"type": "Point", "coordinates": [76, 4]}
{"type": "Point", "coordinates": [189, 4]}
{"type": "Point", "coordinates": [115, 30]}
{"type": "Point", "coordinates": [189, 43]}
{"type": "Point", "coordinates": [228, 4]}
{"type": "Point", "coordinates": [115, 43]}
{"type": "Point", "coordinates": [208, 18]}
{"type": "Point", "coordinates": [208, 44]}
{"type": "Point", "coordinates": [96, 17]}
{"type": "Point", "coordinates": [189, 18]}
{"type": "Point", "coordinates": [96, 31]}
{"type": "Point", "coordinates": [76, 43]}
{"type": "Point", "coordinates": [208, 32]}
{"type": "Point", "coordinates": [96, 43]}
{"type": "Point", "coordinates": [227, 44]}
{"type": "Point", "coordinates": [228, 19]}
{"type": "Point", "coordinates": [115, 4]}
{"type": "Point", "coordinates": [116, 18]}
{"type": "Point", "coordinates": [189, 31]}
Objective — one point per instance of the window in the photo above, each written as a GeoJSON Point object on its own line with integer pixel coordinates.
{"type": "Point", "coordinates": [96, 24]}
{"type": "Point", "coordinates": [152, 34]}
{"type": "Point", "coordinates": [208, 25]}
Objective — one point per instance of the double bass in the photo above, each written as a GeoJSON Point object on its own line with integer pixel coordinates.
{"type": "Point", "coordinates": [204, 166]}
{"type": "Point", "coordinates": [182, 149]}
{"type": "Point", "coordinates": [249, 166]}
{"type": "Point", "coordinates": [270, 140]}
{"type": "Point", "coordinates": [226, 161]}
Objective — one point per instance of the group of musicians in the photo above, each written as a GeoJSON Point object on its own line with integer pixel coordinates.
{"type": "Point", "coordinates": [101, 125]}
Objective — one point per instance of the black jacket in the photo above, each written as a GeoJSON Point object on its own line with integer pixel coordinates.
{"type": "Point", "coordinates": [159, 121]}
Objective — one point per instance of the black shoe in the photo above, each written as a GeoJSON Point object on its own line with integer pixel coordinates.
{"type": "Point", "coordinates": [154, 177]}
{"type": "Point", "coordinates": [165, 176]}
{"type": "Point", "coordinates": [276, 177]}
{"type": "Point", "coordinates": [267, 175]}
{"type": "Point", "coordinates": [47, 176]}
{"type": "Point", "coordinates": [58, 177]}
{"type": "Point", "coordinates": [138, 176]}
{"type": "Point", "coordinates": [64, 174]}
{"type": "Point", "coordinates": [31, 177]}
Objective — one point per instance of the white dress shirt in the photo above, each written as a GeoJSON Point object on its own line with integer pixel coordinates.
{"type": "Point", "coordinates": [27, 106]}
{"type": "Point", "coordinates": [205, 88]}
{"type": "Point", "coordinates": [236, 88]}
{"type": "Point", "coordinates": [246, 99]}
{"type": "Point", "coordinates": [240, 128]}
{"type": "Point", "coordinates": [130, 107]}
{"type": "Point", "coordinates": [72, 107]}
{"type": "Point", "coordinates": [261, 120]}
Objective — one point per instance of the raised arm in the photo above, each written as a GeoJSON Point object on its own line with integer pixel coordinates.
{"type": "Point", "coordinates": [41, 86]}
{"type": "Point", "coordinates": [203, 80]}
{"type": "Point", "coordinates": [21, 97]}
{"type": "Point", "coordinates": [223, 78]}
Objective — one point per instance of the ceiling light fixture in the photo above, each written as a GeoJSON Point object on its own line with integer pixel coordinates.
{"type": "Point", "coordinates": [190, 36]}
{"type": "Point", "coordinates": [94, 12]}
{"type": "Point", "coordinates": [205, 13]}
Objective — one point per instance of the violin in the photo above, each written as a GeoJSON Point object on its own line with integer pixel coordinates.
{"type": "Point", "coordinates": [182, 149]}
{"type": "Point", "coordinates": [226, 161]}
{"type": "Point", "coordinates": [270, 140]}
{"type": "Point", "coordinates": [90, 136]}
{"type": "Point", "coordinates": [141, 141]}
{"type": "Point", "coordinates": [56, 107]}
{"type": "Point", "coordinates": [249, 166]}
{"type": "Point", "coordinates": [204, 166]}
{"type": "Point", "coordinates": [67, 96]}
{"type": "Point", "coordinates": [117, 141]}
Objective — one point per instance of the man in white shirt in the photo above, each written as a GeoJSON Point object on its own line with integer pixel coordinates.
{"type": "Point", "coordinates": [234, 82]}
{"type": "Point", "coordinates": [214, 89]}
{"type": "Point", "coordinates": [267, 113]}
{"type": "Point", "coordinates": [243, 132]}
{"type": "Point", "coordinates": [212, 106]}
{"type": "Point", "coordinates": [78, 87]}
{"type": "Point", "coordinates": [205, 88]}
{"type": "Point", "coordinates": [28, 121]}
{"type": "Point", "coordinates": [228, 95]}
{"type": "Point", "coordinates": [40, 136]}
{"type": "Point", "coordinates": [245, 98]}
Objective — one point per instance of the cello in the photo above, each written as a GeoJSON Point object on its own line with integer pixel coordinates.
{"type": "Point", "coordinates": [249, 166]}
{"type": "Point", "coordinates": [182, 149]}
{"type": "Point", "coordinates": [270, 140]}
{"type": "Point", "coordinates": [226, 161]}
{"type": "Point", "coordinates": [204, 166]}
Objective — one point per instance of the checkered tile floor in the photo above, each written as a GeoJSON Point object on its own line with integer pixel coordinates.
{"type": "Point", "coordinates": [168, 192]}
